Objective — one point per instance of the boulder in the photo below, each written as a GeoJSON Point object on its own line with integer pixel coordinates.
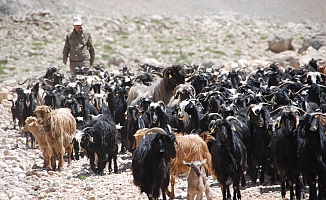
{"type": "Point", "coordinates": [287, 59]}
{"type": "Point", "coordinates": [116, 60]}
{"type": "Point", "coordinates": [280, 41]}
{"type": "Point", "coordinates": [316, 41]}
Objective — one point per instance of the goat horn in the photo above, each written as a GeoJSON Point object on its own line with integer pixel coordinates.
{"type": "Point", "coordinates": [24, 81]}
{"type": "Point", "coordinates": [165, 69]}
{"type": "Point", "coordinates": [156, 129]}
{"type": "Point", "coordinates": [303, 88]}
{"type": "Point", "coordinates": [249, 108]}
{"type": "Point", "coordinates": [317, 113]}
{"type": "Point", "coordinates": [200, 104]}
{"type": "Point", "coordinates": [215, 114]}
{"type": "Point", "coordinates": [233, 118]}
{"type": "Point", "coordinates": [272, 113]}
{"type": "Point", "coordinates": [86, 128]}
{"type": "Point", "coordinates": [59, 85]}
{"type": "Point", "coordinates": [158, 74]}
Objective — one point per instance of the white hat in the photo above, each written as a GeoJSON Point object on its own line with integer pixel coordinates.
{"type": "Point", "coordinates": [77, 21]}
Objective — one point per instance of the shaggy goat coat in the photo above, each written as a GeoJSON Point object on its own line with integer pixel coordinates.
{"type": "Point", "coordinates": [150, 164]}
{"type": "Point", "coordinates": [38, 132]}
{"type": "Point", "coordinates": [162, 89]}
{"type": "Point", "coordinates": [60, 129]}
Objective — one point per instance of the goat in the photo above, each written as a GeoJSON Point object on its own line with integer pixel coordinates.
{"type": "Point", "coordinates": [190, 148]}
{"type": "Point", "coordinates": [311, 153]}
{"type": "Point", "coordinates": [60, 128]}
{"type": "Point", "coordinates": [161, 116]}
{"type": "Point", "coordinates": [259, 117]}
{"type": "Point", "coordinates": [161, 89]}
{"type": "Point", "coordinates": [229, 157]}
{"type": "Point", "coordinates": [182, 92]}
{"type": "Point", "coordinates": [17, 108]}
{"type": "Point", "coordinates": [285, 147]}
{"type": "Point", "coordinates": [197, 181]}
{"type": "Point", "coordinates": [38, 132]}
{"type": "Point", "coordinates": [150, 163]}
{"type": "Point", "coordinates": [100, 138]}
{"type": "Point", "coordinates": [193, 109]}
{"type": "Point", "coordinates": [132, 123]}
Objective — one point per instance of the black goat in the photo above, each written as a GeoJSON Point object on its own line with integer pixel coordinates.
{"type": "Point", "coordinates": [151, 163]}
{"type": "Point", "coordinates": [85, 107]}
{"type": "Point", "coordinates": [229, 156]}
{"type": "Point", "coordinates": [17, 108]}
{"type": "Point", "coordinates": [120, 105]}
{"type": "Point", "coordinates": [132, 123]}
{"type": "Point", "coordinates": [259, 117]}
{"type": "Point", "coordinates": [285, 147]}
{"type": "Point", "coordinates": [312, 154]}
{"type": "Point", "coordinates": [100, 138]}
{"type": "Point", "coordinates": [162, 116]}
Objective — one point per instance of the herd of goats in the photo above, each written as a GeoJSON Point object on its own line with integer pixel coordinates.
{"type": "Point", "coordinates": [184, 119]}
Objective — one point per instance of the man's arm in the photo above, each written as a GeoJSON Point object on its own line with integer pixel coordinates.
{"type": "Point", "coordinates": [91, 50]}
{"type": "Point", "coordinates": [65, 52]}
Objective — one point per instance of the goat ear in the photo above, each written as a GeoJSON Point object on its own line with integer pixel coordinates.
{"type": "Point", "coordinates": [177, 94]}
{"type": "Point", "coordinates": [203, 162]}
{"type": "Point", "coordinates": [314, 125]}
{"type": "Point", "coordinates": [160, 142]}
{"type": "Point", "coordinates": [162, 105]}
{"type": "Point", "coordinates": [90, 138]}
{"type": "Point", "coordinates": [185, 163]}
{"type": "Point", "coordinates": [48, 110]}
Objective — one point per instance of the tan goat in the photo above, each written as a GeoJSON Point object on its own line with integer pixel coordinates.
{"type": "Point", "coordinates": [197, 183]}
{"type": "Point", "coordinates": [60, 129]}
{"type": "Point", "coordinates": [38, 132]}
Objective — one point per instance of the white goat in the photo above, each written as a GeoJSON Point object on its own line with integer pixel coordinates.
{"type": "Point", "coordinates": [197, 183]}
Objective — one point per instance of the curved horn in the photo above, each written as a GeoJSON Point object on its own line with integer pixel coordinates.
{"type": "Point", "coordinates": [156, 129]}
{"type": "Point", "coordinates": [158, 74]}
{"type": "Point", "coordinates": [233, 118]}
{"type": "Point", "coordinates": [86, 128]}
{"type": "Point", "coordinates": [303, 88]}
{"type": "Point", "coordinates": [317, 113]}
{"type": "Point", "coordinates": [272, 113]}
{"type": "Point", "coordinates": [215, 114]}
{"type": "Point", "coordinates": [24, 81]}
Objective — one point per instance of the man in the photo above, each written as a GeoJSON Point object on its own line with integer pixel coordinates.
{"type": "Point", "coordinates": [78, 47]}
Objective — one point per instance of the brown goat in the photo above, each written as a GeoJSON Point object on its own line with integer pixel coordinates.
{"type": "Point", "coordinates": [190, 148]}
{"type": "Point", "coordinates": [38, 132]}
{"type": "Point", "coordinates": [60, 129]}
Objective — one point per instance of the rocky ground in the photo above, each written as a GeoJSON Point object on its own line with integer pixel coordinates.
{"type": "Point", "coordinates": [32, 41]}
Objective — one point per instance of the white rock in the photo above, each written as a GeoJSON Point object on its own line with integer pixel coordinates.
{"type": "Point", "coordinates": [3, 196]}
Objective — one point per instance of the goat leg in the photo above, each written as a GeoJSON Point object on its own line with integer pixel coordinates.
{"type": "Point", "coordinates": [283, 192]}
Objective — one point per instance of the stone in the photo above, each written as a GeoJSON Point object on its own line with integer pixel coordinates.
{"type": "Point", "coordinates": [316, 41]}
{"type": "Point", "coordinates": [280, 41]}
{"type": "Point", "coordinates": [116, 60]}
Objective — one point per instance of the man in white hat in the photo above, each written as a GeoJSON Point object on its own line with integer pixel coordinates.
{"type": "Point", "coordinates": [78, 47]}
